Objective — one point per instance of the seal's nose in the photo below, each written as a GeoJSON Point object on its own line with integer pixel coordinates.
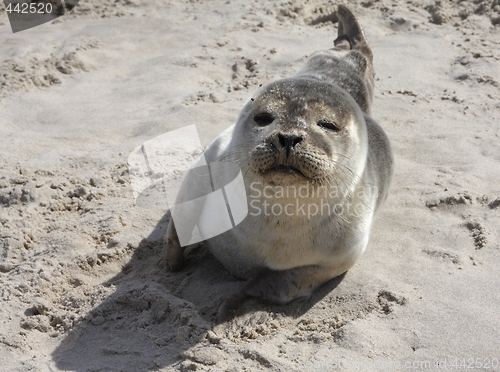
{"type": "Point", "coordinates": [289, 141]}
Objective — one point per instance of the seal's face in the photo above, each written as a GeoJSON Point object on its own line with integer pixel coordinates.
{"type": "Point", "coordinates": [304, 130]}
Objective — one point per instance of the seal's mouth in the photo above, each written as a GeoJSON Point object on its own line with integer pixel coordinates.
{"type": "Point", "coordinates": [286, 170]}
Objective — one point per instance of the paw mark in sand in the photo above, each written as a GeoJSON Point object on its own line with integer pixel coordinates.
{"type": "Point", "coordinates": [456, 203]}
{"type": "Point", "coordinates": [477, 233]}
{"type": "Point", "coordinates": [387, 300]}
{"type": "Point", "coordinates": [460, 198]}
{"type": "Point", "coordinates": [223, 42]}
{"type": "Point", "coordinates": [443, 254]}
{"type": "Point", "coordinates": [438, 16]}
{"type": "Point", "coordinates": [494, 204]}
{"type": "Point", "coordinates": [202, 97]}
{"type": "Point", "coordinates": [241, 67]}
{"type": "Point", "coordinates": [406, 93]}
{"type": "Point", "coordinates": [244, 74]}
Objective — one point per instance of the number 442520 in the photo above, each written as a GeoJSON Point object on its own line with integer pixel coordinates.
{"type": "Point", "coordinates": [26, 8]}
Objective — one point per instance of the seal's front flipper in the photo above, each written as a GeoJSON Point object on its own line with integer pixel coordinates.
{"type": "Point", "coordinates": [175, 253]}
{"type": "Point", "coordinates": [350, 33]}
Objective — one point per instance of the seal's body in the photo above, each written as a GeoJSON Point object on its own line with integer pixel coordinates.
{"type": "Point", "coordinates": [316, 169]}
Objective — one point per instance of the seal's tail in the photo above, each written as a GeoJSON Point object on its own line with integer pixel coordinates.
{"type": "Point", "coordinates": [350, 33]}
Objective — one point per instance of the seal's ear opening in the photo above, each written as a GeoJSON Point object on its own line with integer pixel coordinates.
{"type": "Point", "coordinates": [350, 33]}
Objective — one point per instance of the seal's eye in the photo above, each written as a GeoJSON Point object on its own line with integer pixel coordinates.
{"type": "Point", "coordinates": [264, 118]}
{"type": "Point", "coordinates": [328, 125]}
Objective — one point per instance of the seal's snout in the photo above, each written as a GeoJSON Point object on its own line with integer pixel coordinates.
{"type": "Point", "coordinates": [288, 142]}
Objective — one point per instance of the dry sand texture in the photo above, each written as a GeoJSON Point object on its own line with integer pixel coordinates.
{"type": "Point", "coordinates": [83, 280]}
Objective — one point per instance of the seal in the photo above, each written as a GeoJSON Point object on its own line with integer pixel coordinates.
{"type": "Point", "coordinates": [316, 168]}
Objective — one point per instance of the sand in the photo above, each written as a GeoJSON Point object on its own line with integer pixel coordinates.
{"type": "Point", "coordinates": [83, 280]}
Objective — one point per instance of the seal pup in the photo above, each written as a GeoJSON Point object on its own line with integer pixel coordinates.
{"type": "Point", "coordinates": [305, 143]}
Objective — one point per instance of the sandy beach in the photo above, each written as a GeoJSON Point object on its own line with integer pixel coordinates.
{"type": "Point", "coordinates": [84, 284]}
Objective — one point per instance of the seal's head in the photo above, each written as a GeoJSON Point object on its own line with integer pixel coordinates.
{"type": "Point", "coordinates": [303, 131]}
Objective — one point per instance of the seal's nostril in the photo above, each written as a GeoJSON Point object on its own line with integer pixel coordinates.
{"type": "Point", "coordinates": [297, 140]}
{"type": "Point", "coordinates": [282, 140]}
{"type": "Point", "coordinates": [289, 140]}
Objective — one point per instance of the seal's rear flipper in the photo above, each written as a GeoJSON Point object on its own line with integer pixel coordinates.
{"type": "Point", "coordinates": [351, 39]}
{"type": "Point", "coordinates": [350, 33]}
{"type": "Point", "coordinates": [278, 287]}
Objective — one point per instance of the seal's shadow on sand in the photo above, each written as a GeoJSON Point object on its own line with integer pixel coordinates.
{"type": "Point", "coordinates": [154, 315]}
